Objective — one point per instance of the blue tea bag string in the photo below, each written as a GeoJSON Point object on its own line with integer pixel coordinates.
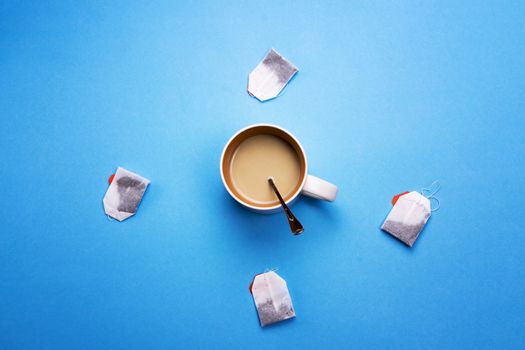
{"type": "Point", "coordinates": [430, 193]}
{"type": "Point", "coordinates": [434, 207]}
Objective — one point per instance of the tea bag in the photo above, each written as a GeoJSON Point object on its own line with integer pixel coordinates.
{"type": "Point", "coordinates": [124, 194]}
{"type": "Point", "coordinates": [271, 297]}
{"type": "Point", "coordinates": [407, 218]}
{"type": "Point", "coordinates": [270, 76]}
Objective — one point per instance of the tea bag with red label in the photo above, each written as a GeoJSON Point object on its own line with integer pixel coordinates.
{"type": "Point", "coordinates": [407, 218]}
{"type": "Point", "coordinates": [271, 298]}
{"type": "Point", "coordinates": [124, 194]}
{"type": "Point", "coordinates": [270, 76]}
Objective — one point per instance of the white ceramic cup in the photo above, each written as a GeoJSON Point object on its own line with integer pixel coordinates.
{"type": "Point", "coordinates": [308, 185]}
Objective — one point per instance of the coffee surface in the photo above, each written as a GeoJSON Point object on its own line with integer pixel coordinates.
{"type": "Point", "coordinates": [259, 157]}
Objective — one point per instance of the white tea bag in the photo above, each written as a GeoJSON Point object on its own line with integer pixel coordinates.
{"type": "Point", "coordinates": [124, 194]}
{"type": "Point", "coordinates": [408, 217]}
{"type": "Point", "coordinates": [270, 76]}
{"type": "Point", "coordinates": [271, 297]}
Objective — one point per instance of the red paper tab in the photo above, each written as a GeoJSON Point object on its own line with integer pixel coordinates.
{"type": "Point", "coordinates": [110, 180]}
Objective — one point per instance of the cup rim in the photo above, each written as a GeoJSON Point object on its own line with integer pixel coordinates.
{"type": "Point", "coordinates": [278, 205]}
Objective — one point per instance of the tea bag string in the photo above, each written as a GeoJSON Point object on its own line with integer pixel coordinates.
{"type": "Point", "coordinates": [434, 207]}
{"type": "Point", "coordinates": [430, 193]}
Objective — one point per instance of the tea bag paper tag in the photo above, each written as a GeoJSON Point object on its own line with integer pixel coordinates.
{"type": "Point", "coordinates": [271, 297]}
{"type": "Point", "coordinates": [408, 217]}
{"type": "Point", "coordinates": [270, 76]}
{"type": "Point", "coordinates": [124, 194]}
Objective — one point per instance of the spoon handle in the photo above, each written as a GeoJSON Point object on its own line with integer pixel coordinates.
{"type": "Point", "coordinates": [296, 227]}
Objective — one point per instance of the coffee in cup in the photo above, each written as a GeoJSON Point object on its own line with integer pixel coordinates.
{"type": "Point", "coordinates": [261, 151]}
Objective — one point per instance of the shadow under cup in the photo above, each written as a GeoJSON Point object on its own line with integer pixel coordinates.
{"type": "Point", "coordinates": [231, 148]}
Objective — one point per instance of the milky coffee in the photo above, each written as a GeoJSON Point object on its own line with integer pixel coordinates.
{"type": "Point", "coordinates": [259, 157]}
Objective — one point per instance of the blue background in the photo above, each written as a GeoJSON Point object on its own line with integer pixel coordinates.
{"type": "Point", "coordinates": [388, 98]}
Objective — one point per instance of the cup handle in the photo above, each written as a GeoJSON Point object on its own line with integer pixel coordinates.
{"type": "Point", "coordinates": [319, 188]}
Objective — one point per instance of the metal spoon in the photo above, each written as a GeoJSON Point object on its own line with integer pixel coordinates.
{"type": "Point", "coordinates": [295, 225]}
